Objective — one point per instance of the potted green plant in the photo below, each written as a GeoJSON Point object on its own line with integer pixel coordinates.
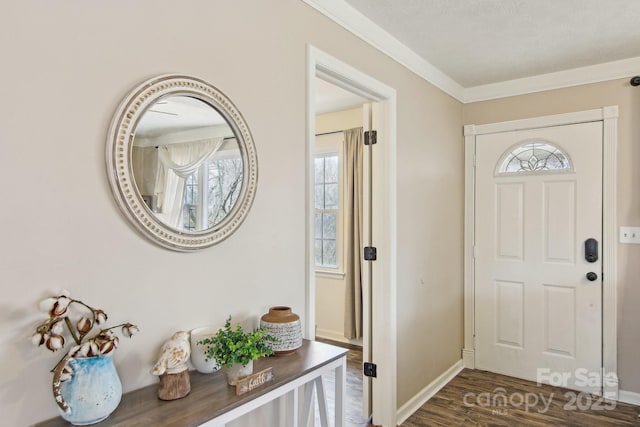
{"type": "Point", "coordinates": [235, 349]}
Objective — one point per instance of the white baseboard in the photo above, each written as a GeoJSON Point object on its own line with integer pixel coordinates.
{"type": "Point", "coordinates": [428, 392]}
{"type": "Point", "coordinates": [336, 336]}
{"type": "Point", "coordinates": [629, 397]}
{"type": "Point", "coordinates": [330, 335]}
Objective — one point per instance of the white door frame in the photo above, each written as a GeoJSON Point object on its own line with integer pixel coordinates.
{"type": "Point", "coordinates": [609, 117]}
{"type": "Point", "coordinates": [384, 229]}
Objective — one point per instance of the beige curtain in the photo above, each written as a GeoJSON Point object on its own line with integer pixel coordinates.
{"type": "Point", "coordinates": [178, 162]}
{"type": "Point", "coordinates": [354, 147]}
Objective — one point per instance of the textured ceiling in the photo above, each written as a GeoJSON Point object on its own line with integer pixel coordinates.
{"type": "Point", "coordinates": [477, 42]}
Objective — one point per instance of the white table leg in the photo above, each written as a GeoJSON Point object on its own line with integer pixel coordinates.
{"type": "Point", "coordinates": [340, 392]}
{"type": "Point", "coordinates": [322, 402]}
{"type": "Point", "coordinates": [306, 404]}
{"type": "Point", "coordinates": [289, 405]}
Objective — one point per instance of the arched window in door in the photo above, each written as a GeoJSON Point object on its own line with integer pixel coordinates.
{"type": "Point", "coordinates": [533, 157]}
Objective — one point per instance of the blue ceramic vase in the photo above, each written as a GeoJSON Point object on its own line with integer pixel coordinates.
{"type": "Point", "coordinates": [93, 392]}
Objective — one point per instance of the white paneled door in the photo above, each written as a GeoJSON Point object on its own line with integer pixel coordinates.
{"type": "Point", "coordinates": [538, 299]}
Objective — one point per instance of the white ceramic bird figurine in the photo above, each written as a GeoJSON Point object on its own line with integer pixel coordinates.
{"type": "Point", "coordinates": [173, 355]}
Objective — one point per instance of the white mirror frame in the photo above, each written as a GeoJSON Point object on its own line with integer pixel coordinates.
{"type": "Point", "coordinates": [120, 172]}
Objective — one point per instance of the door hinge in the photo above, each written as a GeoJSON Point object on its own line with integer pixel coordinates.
{"type": "Point", "coordinates": [370, 253]}
{"type": "Point", "coordinates": [370, 369]}
{"type": "Point", "coordinates": [370, 137]}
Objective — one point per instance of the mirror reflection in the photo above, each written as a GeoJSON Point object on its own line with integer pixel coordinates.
{"type": "Point", "coordinates": [187, 163]}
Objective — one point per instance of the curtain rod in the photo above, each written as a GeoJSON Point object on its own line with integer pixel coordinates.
{"type": "Point", "coordinates": [226, 138]}
{"type": "Point", "coordinates": [329, 133]}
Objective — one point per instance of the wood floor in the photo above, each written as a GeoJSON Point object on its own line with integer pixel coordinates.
{"type": "Point", "coordinates": [480, 398]}
{"type": "Point", "coordinates": [353, 404]}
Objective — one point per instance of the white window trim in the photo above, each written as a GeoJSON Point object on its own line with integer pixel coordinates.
{"type": "Point", "coordinates": [330, 274]}
{"type": "Point", "coordinates": [335, 148]}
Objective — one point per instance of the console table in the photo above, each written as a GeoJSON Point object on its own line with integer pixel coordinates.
{"type": "Point", "coordinates": [213, 403]}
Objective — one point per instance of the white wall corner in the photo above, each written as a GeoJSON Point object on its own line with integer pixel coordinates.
{"type": "Point", "coordinates": [428, 392]}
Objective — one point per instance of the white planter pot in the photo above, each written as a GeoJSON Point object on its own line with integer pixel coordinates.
{"type": "Point", "coordinates": [237, 372]}
{"type": "Point", "coordinates": [198, 358]}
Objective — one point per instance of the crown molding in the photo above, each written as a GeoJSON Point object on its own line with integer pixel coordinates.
{"type": "Point", "coordinates": [361, 26]}
{"type": "Point", "coordinates": [352, 20]}
{"type": "Point", "coordinates": [558, 80]}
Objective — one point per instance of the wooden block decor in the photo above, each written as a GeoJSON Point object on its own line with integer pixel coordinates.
{"type": "Point", "coordinates": [253, 381]}
{"type": "Point", "coordinates": [174, 386]}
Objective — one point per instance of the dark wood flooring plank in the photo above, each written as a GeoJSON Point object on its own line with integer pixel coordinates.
{"type": "Point", "coordinates": [448, 409]}
{"type": "Point", "coordinates": [480, 398]}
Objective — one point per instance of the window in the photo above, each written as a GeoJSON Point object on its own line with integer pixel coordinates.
{"type": "Point", "coordinates": [533, 157]}
{"type": "Point", "coordinates": [219, 192]}
{"type": "Point", "coordinates": [327, 208]}
{"type": "Point", "coordinates": [190, 203]}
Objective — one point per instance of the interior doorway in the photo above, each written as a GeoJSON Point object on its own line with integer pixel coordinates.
{"type": "Point", "coordinates": [338, 153]}
{"type": "Point", "coordinates": [337, 112]}
{"type": "Point", "coordinates": [378, 295]}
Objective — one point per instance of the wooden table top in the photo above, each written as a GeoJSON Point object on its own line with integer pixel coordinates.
{"type": "Point", "coordinates": [210, 395]}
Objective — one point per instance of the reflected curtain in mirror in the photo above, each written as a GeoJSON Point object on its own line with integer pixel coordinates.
{"type": "Point", "coordinates": [181, 162]}
{"type": "Point", "coordinates": [177, 163]}
{"type": "Point", "coordinates": [354, 148]}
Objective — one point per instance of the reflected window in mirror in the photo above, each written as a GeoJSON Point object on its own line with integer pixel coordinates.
{"type": "Point", "coordinates": [217, 193]}
{"type": "Point", "coordinates": [187, 163]}
{"type": "Point", "coordinates": [181, 162]}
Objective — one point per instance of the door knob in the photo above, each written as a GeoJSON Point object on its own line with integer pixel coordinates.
{"type": "Point", "coordinates": [591, 276]}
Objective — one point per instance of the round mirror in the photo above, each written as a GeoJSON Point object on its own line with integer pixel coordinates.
{"type": "Point", "coordinates": [181, 162]}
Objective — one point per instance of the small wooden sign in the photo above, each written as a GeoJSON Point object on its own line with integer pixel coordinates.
{"type": "Point", "coordinates": [253, 381]}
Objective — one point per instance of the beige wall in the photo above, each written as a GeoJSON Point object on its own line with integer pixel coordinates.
{"type": "Point", "coordinates": [339, 120]}
{"type": "Point", "coordinates": [430, 210]}
{"type": "Point", "coordinates": [66, 66]}
{"type": "Point", "coordinates": [627, 98]}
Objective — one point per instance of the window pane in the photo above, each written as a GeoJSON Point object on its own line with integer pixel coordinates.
{"type": "Point", "coordinates": [329, 257]}
{"type": "Point", "coordinates": [532, 157]}
{"type": "Point", "coordinates": [319, 196]}
{"type": "Point", "coordinates": [331, 169]}
{"type": "Point", "coordinates": [223, 185]}
{"type": "Point", "coordinates": [318, 253]}
{"type": "Point", "coordinates": [189, 217]}
{"type": "Point", "coordinates": [326, 204]}
{"type": "Point", "coordinates": [331, 196]}
{"type": "Point", "coordinates": [318, 226]}
{"type": "Point", "coordinates": [319, 172]}
{"type": "Point", "coordinates": [329, 226]}
{"type": "Point", "coordinates": [191, 190]}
